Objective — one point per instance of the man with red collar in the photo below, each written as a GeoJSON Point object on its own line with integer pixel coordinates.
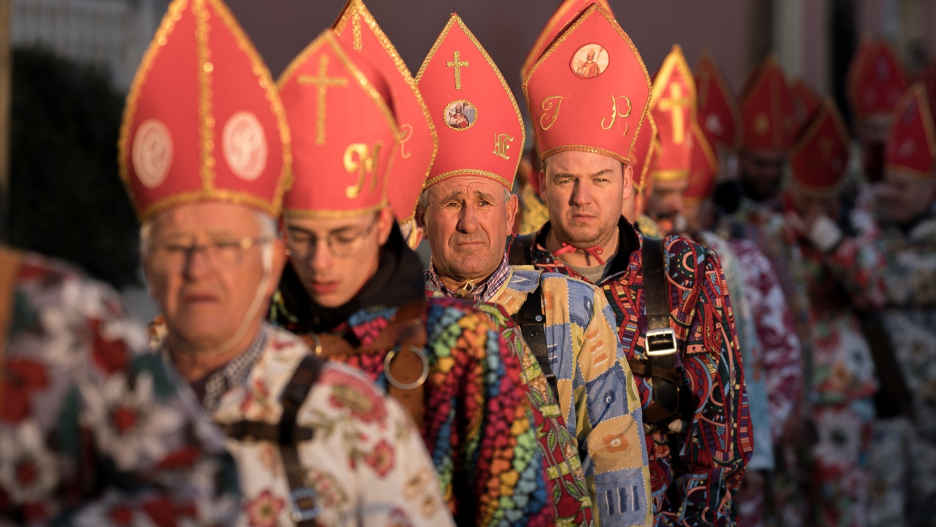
{"type": "Point", "coordinates": [841, 272]}
{"type": "Point", "coordinates": [585, 130]}
{"type": "Point", "coordinates": [355, 289]}
{"type": "Point", "coordinates": [468, 212]}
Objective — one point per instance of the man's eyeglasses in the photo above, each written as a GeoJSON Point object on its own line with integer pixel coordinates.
{"type": "Point", "coordinates": [221, 254]}
{"type": "Point", "coordinates": [342, 245]}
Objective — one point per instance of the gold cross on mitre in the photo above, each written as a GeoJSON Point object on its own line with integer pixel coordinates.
{"type": "Point", "coordinates": [675, 103]}
{"type": "Point", "coordinates": [458, 65]}
{"type": "Point", "coordinates": [322, 81]}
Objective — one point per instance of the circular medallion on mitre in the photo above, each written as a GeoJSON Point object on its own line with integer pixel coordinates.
{"type": "Point", "coordinates": [589, 61]}
{"type": "Point", "coordinates": [460, 115]}
{"type": "Point", "coordinates": [152, 153]}
{"type": "Point", "coordinates": [244, 145]}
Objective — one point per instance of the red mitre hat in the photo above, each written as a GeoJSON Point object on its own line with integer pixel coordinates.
{"type": "Point", "coordinates": [646, 147]}
{"type": "Point", "coordinates": [565, 13]}
{"type": "Point", "coordinates": [928, 78]}
{"type": "Point", "coordinates": [805, 101]}
{"type": "Point", "coordinates": [876, 79]}
{"type": "Point", "coordinates": [719, 115]}
{"type": "Point", "coordinates": [357, 30]}
{"type": "Point", "coordinates": [673, 106]}
{"type": "Point", "coordinates": [703, 168]}
{"type": "Point", "coordinates": [589, 91]}
{"type": "Point", "coordinates": [819, 159]}
{"type": "Point", "coordinates": [344, 131]}
{"type": "Point", "coordinates": [203, 121]}
{"type": "Point", "coordinates": [767, 109]}
{"type": "Point", "coordinates": [479, 124]}
{"type": "Point", "coordinates": [911, 145]}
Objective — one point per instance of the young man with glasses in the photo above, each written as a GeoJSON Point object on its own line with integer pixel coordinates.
{"type": "Point", "coordinates": [355, 291]}
{"type": "Point", "coordinates": [205, 153]}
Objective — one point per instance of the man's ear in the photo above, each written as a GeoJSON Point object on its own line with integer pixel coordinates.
{"type": "Point", "coordinates": [628, 187]}
{"type": "Point", "coordinates": [385, 222]}
{"type": "Point", "coordinates": [542, 184]}
{"type": "Point", "coordinates": [512, 204]}
{"type": "Point", "coordinates": [279, 262]}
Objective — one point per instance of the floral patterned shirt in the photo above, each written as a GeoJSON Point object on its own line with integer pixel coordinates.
{"type": "Point", "coordinates": [94, 430]}
{"type": "Point", "coordinates": [365, 461]}
{"type": "Point", "coordinates": [693, 480]}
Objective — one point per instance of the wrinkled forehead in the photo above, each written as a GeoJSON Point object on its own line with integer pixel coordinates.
{"type": "Point", "coordinates": [206, 218]}
{"type": "Point", "coordinates": [466, 186]}
{"type": "Point", "coordinates": [578, 163]}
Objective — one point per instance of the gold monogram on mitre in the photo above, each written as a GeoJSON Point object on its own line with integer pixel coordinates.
{"type": "Point", "coordinates": [362, 161]}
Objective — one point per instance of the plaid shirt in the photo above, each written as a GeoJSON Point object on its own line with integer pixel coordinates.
{"type": "Point", "coordinates": [481, 292]}
{"type": "Point", "coordinates": [597, 396]}
{"type": "Point", "coordinates": [232, 375]}
{"type": "Point", "coordinates": [714, 448]}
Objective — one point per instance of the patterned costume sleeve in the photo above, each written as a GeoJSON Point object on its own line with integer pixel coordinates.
{"type": "Point", "coordinates": [379, 473]}
{"type": "Point", "coordinates": [605, 410]}
{"type": "Point", "coordinates": [566, 485]}
{"type": "Point", "coordinates": [94, 431]}
{"type": "Point", "coordinates": [856, 263]}
{"type": "Point", "coordinates": [781, 353]}
{"type": "Point", "coordinates": [715, 449]}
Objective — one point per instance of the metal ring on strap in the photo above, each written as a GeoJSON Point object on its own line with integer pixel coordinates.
{"type": "Point", "coordinates": [317, 350]}
{"type": "Point", "coordinates": [422, 377]}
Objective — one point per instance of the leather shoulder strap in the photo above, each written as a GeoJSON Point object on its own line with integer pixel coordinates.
{"type": "Point", "coordinates": [10, 263]}
{"type": "Point", "coordinates": [521, 250]}
{"type": "Point", "coordinates": [532, 322]}
{"type": "Point", "coordinates": [302, 501]}
{"type": "Point", "coordinates": [659, 341]}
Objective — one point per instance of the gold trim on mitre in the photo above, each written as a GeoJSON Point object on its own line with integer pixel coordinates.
{"type": "Point", "coordinates": [654, 144]}
{"type": "Point", "coordinates": [356, 8]}
{"type": "Point", "coordinates": [206, 126]}
{"type": "Point", "coordinates": [669, 175]}
{"type": "Point", "coordinates": [549, 51]}
{"type": "Point", "coordinates": [422, 69]}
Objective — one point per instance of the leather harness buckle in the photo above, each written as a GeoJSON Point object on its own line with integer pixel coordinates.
{"type": "Point", "coordinates": [661, 342]}
{"type": "Point", "coordinates": [299, 513]}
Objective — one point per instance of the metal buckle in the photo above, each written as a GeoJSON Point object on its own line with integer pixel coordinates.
{"type": "Point", "coordinates": [661, 342]}
{"type": "Point", "coordinates": [422, 376]}
{"type": "Point", "coordinates": [297, 513]}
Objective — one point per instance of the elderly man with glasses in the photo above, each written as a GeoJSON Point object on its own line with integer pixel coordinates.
{"type": "Point", "coordinates": [205, 153]}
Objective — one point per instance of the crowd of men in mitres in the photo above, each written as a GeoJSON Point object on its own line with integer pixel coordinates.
{"type": "Point", "coordinates": [682, 308]}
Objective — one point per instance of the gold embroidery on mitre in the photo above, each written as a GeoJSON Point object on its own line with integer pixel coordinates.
{"type": "Point", "coordinates": [674, 104]}
{"type": "Point", "coordinates": [615, 113]}
{"type": "Point", "coordinates": [322, 82]}
{"type": "Point", "coordinates": [547, 105]}
{"type": "Point", "coordinates": [761, 124]}
{"type": "Point", "coordinates": [501, 144]}
{"type": "Point", "coordinates": [406, 133]}
{"type": "Point", "coordinates": [458, 65]}
{"type": "Point", "coordinates": [364, 165]}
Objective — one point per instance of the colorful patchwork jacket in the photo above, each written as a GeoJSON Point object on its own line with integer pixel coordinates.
{"type": "Point", "coordinates": [597, 396]}
{"type": "Point", "coordinates": [694, 472]}
{"type": "Point", "coordinates": [94, 430]}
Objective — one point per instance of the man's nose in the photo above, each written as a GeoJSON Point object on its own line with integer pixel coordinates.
{"type": "Point", "coordinates": [197, 263]}
{"type": "Point", "coordinates": [581, 194]}
{"type": "Point", "coordinates": [321, 258]}
{"type": "Point", "coordinates": [468, 222]}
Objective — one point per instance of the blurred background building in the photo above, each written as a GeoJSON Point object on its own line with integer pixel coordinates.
{"type": "Point", "coordinates": [813, 39]}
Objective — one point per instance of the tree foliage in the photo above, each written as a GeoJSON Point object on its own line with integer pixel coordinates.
{"type": "Point", "coordinates": [66, 197]}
